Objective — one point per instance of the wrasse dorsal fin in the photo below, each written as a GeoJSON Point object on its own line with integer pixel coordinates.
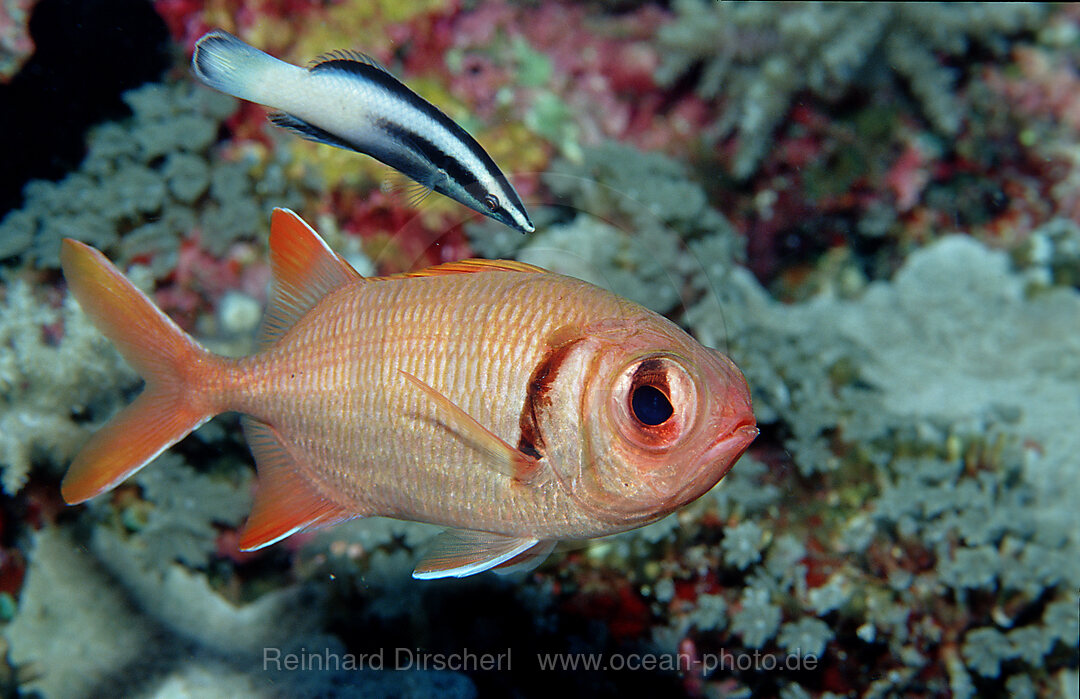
{"type": "Point", "coordinates": [497, 454]}
{"type": "Point", "coordinates": [457, 553]}
{"type": "Point", "coordinates": [285, 502]}
{"type": "Point", "coordinates": [304, 269]}
{"type": "Point", "coordinates": [470, 266]}
{"type": "Point", "coordinates": [345, 56]}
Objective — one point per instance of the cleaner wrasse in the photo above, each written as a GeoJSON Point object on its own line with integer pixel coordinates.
{"type": "Point", "coordinates": [346, 99]}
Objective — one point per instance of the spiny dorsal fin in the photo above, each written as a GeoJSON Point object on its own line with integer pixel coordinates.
{"type": "Point", "coordinates": [304, 270]}
{"type": "Point", "coordinates": [340, 56]}
{"type": "Point", "coordinates": [470, 266]}
{"type": "Point", "coordinates": [285, 502]}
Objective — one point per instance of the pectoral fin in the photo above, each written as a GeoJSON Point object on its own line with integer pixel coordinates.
{"type": "Point", "coordinates": [526, 560]}
{"type": "Point", "coordinates": [497, 453]}
{"type": "Point", "coordinates": [457, 553]}
{"type": "Point", "coordinates": [410, 191]}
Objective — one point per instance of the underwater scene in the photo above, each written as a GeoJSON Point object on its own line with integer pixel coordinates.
{"type": "Point", "coordinates": [810, 429]}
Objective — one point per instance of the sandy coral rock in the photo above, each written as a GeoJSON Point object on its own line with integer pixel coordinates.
{"type": "Point", "coordinates": [183, 602]}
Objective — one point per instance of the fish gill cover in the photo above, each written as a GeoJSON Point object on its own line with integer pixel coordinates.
{"type": "Point", "coordinates": [892, 258]}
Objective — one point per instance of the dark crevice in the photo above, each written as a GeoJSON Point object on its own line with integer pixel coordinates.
{"type": "Point", "coordinates": [87, 54]}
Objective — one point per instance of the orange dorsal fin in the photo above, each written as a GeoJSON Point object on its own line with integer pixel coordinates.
{"type": "Point", "coordinates": [304, 269]}
{"type": "Point", "coordinates": [285, 501]}
{"type": "Point", "coordinates": [496, 453]}
{"type": "Point", "coordinates": [470, 266]}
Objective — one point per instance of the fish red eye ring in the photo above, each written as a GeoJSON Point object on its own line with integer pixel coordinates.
{"type": "Point", "coordinates": [668, 377]}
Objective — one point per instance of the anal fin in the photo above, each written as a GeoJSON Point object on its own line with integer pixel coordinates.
{"type": "Point", "coordinates": [285, 501]}
{"type": "Point", "coordinates": [309, 131]}
{"type": "Point", "coordinates": [457, 553]}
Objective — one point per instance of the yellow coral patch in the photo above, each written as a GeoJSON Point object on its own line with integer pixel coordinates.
{"type": "Point", "coordinates": [357, 24]}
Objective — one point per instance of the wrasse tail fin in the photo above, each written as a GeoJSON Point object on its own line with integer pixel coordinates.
{"type": "Point", "coordinates": [457, 553]}
{"type": "Point", "coordinates": [285, 502]}
{"type": "Point", "coordinates": [496, 452]}
{"type": "Point", "coordinates": [304, 269]}
{"type": "Point", "coordinates": [227, 64]}
{"type": "Point", "coordinates": [176, 370]}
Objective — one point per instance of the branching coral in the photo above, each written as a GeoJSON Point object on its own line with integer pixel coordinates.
{"type": "Point", "coordinates": [59, 378]}
{"type": "Point", "coordinates": [925, 499]}
{"type": "Point", "coordinates": [149, 182]}
{"type": "Point", "coordinates": [946, 389]}
{"type": "Point", "coordinates": [637, 224]}
{"type": "Point", "coordinates": [757, 56]}
{"type": "Point", "coordinates": [174, 520]}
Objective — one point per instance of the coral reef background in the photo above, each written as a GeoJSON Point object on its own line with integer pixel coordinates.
{"type": "Point", "coordinates": [873, 208]}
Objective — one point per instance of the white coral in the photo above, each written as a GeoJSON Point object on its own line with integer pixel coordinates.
{"type": "Point", "coordinates": [50, 389]}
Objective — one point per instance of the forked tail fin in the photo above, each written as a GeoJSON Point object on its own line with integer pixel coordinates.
{"type": "Point", "coordinates": [181, 377]}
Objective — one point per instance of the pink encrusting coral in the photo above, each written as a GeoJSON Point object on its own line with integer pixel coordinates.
{"type": "Point", "coordinates": [601, 72]}
{"type": "Point", "coordinates": [16, 46]}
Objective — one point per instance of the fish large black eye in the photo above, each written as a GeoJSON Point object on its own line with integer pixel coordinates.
{"type": "Point", "coordinates": [650, 405]}
{"type": "Point", "coordinates": [491, 202]}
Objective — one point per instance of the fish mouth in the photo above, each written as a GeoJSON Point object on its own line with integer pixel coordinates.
{"type": "Point", "coordinates": [731, 444]}
{"type": "Point", "coordinates": [717, 460]}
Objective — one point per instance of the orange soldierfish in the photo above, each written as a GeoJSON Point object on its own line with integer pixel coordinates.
{"type": "Point", "coordinates": [514, 406]}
